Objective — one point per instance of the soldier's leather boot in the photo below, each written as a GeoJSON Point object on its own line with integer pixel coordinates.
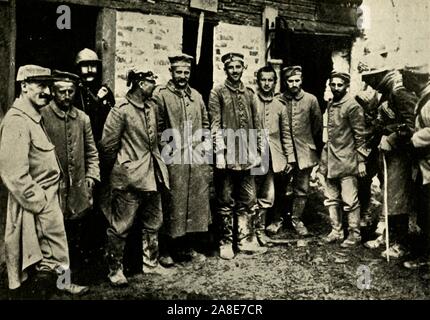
{"type": "Point", "coordinates": [260, 226]}
{"type": "Point", "coordinates": [115, 249]}
{"type": "Point", "coordinates": [354, 236]}
{"type": "Point", "coordinates": [150, 255]}
{"type": "Point", "coordinates": [247, 240]}
{"type": "Point", "coordinates": [299, 204]}
{"type": "Point", "coordinates": [336, 233]}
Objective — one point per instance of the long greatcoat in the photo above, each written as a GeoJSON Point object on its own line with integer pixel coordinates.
{"type": "Point", "coordinates": [398, 109]}
{"type": "Point", "coordinates": [71, 134]}
{"type": "Point", "coordinates": [187, 208]}
{"type": "Point", "coordinates": [30, 171]}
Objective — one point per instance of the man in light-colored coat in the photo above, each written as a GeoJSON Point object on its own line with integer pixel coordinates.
{"type": "Point", "coordinates": [129, 146]}
{"type": "Point", "coordinates": [342, 160]}
{"type": "Point", "coordinates": [305, 122]}
{"type": "Point", "coordinates": [35, 235]}
{"type": "Point", "coordinates": [182, 110]}
{"type": "Point", "coordinates": [278, 146]}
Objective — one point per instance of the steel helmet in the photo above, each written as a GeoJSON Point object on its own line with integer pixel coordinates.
{"type": "Point", "coordinates": [86, 55]}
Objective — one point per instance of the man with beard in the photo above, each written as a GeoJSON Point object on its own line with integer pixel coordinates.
{"type": "Point", "coordinates": [35, 239]}
{"type": "Point", "coordinates": [95, 100]}
{"type": "Point", "coordinates": [416, 78]}
{"type": "Point", "coordinates": [278, 146]}
{"type": "Point", "coordinates": [234, 118]}
{"type": "Point", "coordinates": [305, 123]}
{"type": "Point", "coordinates": [129, 146]}
{"type": "Point", "coordinates": [70, 131]}
{"type": "Point", "coordinates": [396, 120]}
{"type": "Point", "coordinates": [186, 213]}
{"type": "Point", "coordinates": [342, 159]}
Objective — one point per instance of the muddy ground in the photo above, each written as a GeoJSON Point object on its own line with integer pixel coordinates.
{"type": "Point", "coordinates": [297, 270]}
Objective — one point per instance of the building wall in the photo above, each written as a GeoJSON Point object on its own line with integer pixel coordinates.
{"type": "Point", "coordinates": [134, 31]}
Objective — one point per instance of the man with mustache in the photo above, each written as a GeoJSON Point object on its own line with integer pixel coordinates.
{"type": "Point", "coordinates": [274, 118]}
{"type": "Point", "coordinates": [70, 131]}
{"type": "Point", "coordinates": [342, 160]}
{"type": "Point", "coordinates": [35, 238]}
{"type": "Point", "coordinates": [233, 108]}
{"type": "Point", "coordinates": [305, 122]}
{"type": "Point", "coordinates": [186, 212]}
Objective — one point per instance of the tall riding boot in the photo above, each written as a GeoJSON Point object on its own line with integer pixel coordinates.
{"type": "Point", "coordinates": [299, 204]}
{"type": "Point", "coordinates": [115, 251]}
{"type": "Point", "coordinates": [260, 226]}
{"type": "Point", "coordinates": [247, 241]}
{"type": "Point", "coordinates": [336, 233]}
{"type": "Point", "coordinates": [226, 237]}
{"type": "Point", "coordinates": [354, 236]}
{"type": "Point", "coordinates": [150, 255]}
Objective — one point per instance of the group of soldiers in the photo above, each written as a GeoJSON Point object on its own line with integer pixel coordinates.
{"type": "Point", "coordinates": [67, 148]}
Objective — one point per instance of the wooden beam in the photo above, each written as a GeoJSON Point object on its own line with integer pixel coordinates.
{"type": "Point", "coordinates": [106, 44]}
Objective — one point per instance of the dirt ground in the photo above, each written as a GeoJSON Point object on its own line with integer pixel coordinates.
{"type": "Point", "coordinates": [297, 270]}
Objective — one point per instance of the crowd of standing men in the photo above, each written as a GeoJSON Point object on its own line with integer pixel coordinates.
{"type": "Point", "coordinates": [67, 148]}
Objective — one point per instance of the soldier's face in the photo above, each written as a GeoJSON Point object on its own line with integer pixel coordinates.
{"type": "Point", "coordinates": [267, 82]}
{"type": "Point", "coordinates": [147, 87]}
{"type": "Point", "coordinates": [294, 83]}
{"type": "Point", "coordinates": [338, 88]}
{"type": "Point", "coordinates": [37, 92]}
{"type": "Point", "coordinates": [234, 71]}
{"type": "Point", "coordinates": [64, 93]}
{"type": "Point", "coordinates": [88, 71]}
{"type": "Point", "coordinates": [181, 76]}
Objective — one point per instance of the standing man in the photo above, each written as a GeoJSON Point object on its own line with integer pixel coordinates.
{"type": "Point", "coordinates": [274, 118]}
{"type": "Point", "coordinates": [129, 146]}
{"type": "Point", "coordinates": [70, 131]}
{"type": "Point", "coordinates": [234, 118]}
{"type": "Point", "coordinates": [35, 238]}
{"type": "Point", "coordinates": [342, 160]}
{"type": "Point", "coordinates": [95, 99]}
{"type": "Point", "coordinates": [416, 78]}
{"type": "Point", "coordinates": [396, 122]}
{"type": "Point", "coordinates": [305, 122]}
{"type": "Point", "coordinates": [181, 109]}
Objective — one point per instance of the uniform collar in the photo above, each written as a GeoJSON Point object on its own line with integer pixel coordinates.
{"type": "Point", "coordinates": [240, 88]}
{"type": "Point", "coordinates": [136, 99]}
{"type": "Point", "coordinates": [265, 98]}
{"type": "Point", "coordinates": [60, 113]}
{"type": "Point", "coordinates": [345, 98]}
{"type": "Point", "coordinates": [187, 91]}
{"type": "Point", "coordinates": [297, 97]}
{"type": "Point", "coordinates": [25, 106]}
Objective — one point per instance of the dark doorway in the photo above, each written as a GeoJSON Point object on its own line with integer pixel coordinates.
{"type": "Point", "coordinates": [202, 74]}
{"type": "Point", "coordinates": [314, 54]}
{"type": "Point", "coordinates": [39, 41]}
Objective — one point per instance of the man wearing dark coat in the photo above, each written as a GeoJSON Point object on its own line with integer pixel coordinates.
{"type": "Point", "coordinates": [183, 117]}
{"type": "Point", "coordinates": [396, 120]}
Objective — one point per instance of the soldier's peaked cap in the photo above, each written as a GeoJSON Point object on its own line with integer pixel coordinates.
{"type": "Point", "coordinates": [291, 71]}
{"type": "Point", "coordinates": [342, 75]}
{"type": "Point", "coordinates": [416, 68]}
{"type": "Point", "coordinates": [58, 75]}
{"type": "Point", "coordinates": [33, 72]}
{"type": "Point", "coordinates": [232, 56]}
{"type": "Point", "coordinates": [181, 59]}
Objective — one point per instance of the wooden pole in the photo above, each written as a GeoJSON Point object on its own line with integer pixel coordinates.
{"type": "Point", "coordinates": [387, 239]}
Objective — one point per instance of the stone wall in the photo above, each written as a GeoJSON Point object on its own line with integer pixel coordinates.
{"type": "Point", "coordinates": [144, 42]}
{"type": "Point", "coordinates": [244, 39]}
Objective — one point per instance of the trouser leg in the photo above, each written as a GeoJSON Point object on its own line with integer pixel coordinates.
{"type": "Point", "coordinates": [124, 208]}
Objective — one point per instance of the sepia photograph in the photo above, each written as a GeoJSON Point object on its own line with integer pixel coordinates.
{"type": "Point", "coordinates": [230, 151]}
